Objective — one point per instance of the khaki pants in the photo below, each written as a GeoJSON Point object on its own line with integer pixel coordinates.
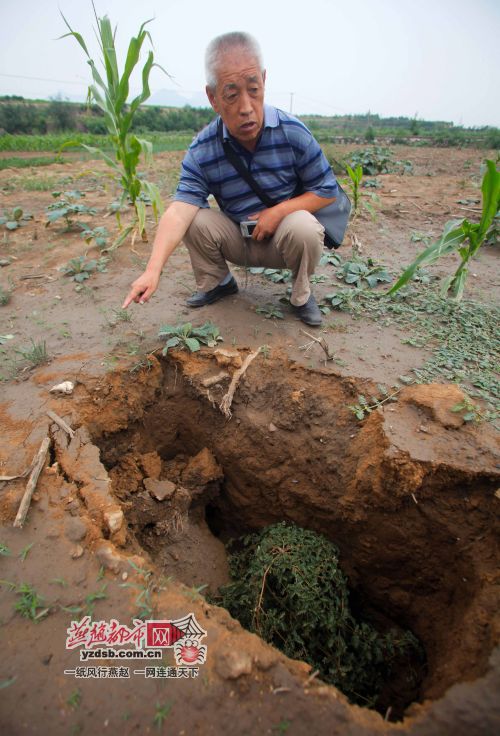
{"type": "Point", "coordinates": [297, 244]}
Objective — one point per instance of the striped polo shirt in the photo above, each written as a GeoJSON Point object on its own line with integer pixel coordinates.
{"type": "Point", "coordinates": [286, 152]}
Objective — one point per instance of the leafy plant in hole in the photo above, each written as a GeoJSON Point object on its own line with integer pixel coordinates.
{"type": "Point", "coordinates": [365, 406]}
{"type": "Point", "coordinates": [68, 207]}
{"type": "Point", "coordinates": [288, 588]}
{"type": "Point", "coordinates": [462, 236]}
{"type": "Point", "coordinates": [187, 336]}
{"type": "Point", "coordinates": [363, 273]}
{"type": "Point", "coordinates": [110, 93]}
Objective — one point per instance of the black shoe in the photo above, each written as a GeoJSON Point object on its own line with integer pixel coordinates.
{"type": "Point", "coordinates": [309, 312]}
{"type": "Point", "coordinates": [201, 298]}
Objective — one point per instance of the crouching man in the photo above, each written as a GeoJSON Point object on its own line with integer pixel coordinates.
{"type": "Point", "coordinates": [261, 165]}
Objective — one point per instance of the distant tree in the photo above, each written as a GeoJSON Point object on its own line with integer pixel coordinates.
{"type": "Point", "coordinates": [61, 114]}
{"type": "Point", "coordinates": [414, 128]}
{"type": "Point", "coordinates": [370, 135]}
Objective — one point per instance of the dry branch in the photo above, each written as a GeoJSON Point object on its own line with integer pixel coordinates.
{"type": "Point", "coordinates": [32, 481]}
{"type": "Point", "coordinates": [61, 423]}
{"type": "Point", "coordinates": [321, 341]}
{"type": "Point", "coordinates": [227, 399]}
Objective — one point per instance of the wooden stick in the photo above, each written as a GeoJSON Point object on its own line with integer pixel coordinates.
{"type": "Point", "coordinates": [61, 423]}
{"type": "Point", "coordinates": [321, 341]}
{"type": "Point", "coordinates": [31, 484]}
{"type": "Point", "coordinates": [227, 399]}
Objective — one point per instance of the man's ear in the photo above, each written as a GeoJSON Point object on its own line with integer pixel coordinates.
{"type": "Point", "coordinates": [264, 76]}
{"type": "Point", "coordinates": [211, 98]}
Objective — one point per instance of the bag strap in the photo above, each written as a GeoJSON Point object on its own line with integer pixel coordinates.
{"type": "Point", "coordinates": [242, 170]}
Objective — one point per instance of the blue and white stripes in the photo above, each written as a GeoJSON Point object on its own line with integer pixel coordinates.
{"type": "Point", "coordinates": [285, 153]}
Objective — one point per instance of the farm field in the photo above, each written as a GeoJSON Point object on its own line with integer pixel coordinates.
{"type": "Point", "coordinates": [388, 446]}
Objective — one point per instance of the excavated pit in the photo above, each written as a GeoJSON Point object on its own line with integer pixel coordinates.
{"type": "Point", "coordinates": [408, 495]}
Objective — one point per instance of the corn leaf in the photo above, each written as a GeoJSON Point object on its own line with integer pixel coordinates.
{"type": "Point", "coordinates": [453, 235]}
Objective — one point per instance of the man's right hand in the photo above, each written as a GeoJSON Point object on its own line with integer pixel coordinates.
{"type": "Point", "coordinates": [142, 289]}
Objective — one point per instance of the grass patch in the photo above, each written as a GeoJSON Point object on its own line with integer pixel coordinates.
{"type": "Point", "coordinates": [17, 162]}
{"type": "Point", "coordinates": [463, 336]}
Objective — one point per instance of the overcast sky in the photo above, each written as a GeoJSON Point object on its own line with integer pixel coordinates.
{"type": "Point", "coordinates": [439, 59]}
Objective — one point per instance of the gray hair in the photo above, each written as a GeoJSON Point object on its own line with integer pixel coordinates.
{"type": "Point", "coordinates": [228, 41]}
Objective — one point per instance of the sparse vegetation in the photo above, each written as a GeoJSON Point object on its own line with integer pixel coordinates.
{"type": "Point", "coordinates": [29, 602]}
{"type": "Point", "coordinates": [161, 713]}
{"type": "Point", "coordinates": [187, 336]}
{"type": "Point", "coordinates": [36, 354]}
{"type": "Point", "coordinates": [463, 237]}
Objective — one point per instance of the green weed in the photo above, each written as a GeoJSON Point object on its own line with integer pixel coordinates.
{"type": "Point", "coordinates": [67, 207]}
{"type": "Point", "coordinates": [29, 602]}
{"type": "Point", "coordinates": [79, 269]}
{"type": "Point", "coordinates": [363, 274]}
{"type": "Point", "coordinates": [25, 551]}
{"type": "Point", "coordinates": [276, 275]}
{"type": "Point", "coordinates": [270, 311]}
{"type": "Point", "coordinates": [74, 699]}
{"type": "Point", "coordinates": [187, 336]}
{"type": "Point", "coordinates": [37, 354]}
{"type": "Point", "coordinates": [161, 713]}
{"type": "Point", "coordinates": [14, 218]}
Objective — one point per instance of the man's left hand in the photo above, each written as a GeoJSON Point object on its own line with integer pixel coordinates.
{"type": "Point", "coordinates": [267, 222]}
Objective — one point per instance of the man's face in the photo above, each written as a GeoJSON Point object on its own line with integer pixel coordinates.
{"type": "Point", "coordinates": [239, 96]}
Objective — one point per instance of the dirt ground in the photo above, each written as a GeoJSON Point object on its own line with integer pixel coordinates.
{"type": "Point", "coordinates": [408, 494]}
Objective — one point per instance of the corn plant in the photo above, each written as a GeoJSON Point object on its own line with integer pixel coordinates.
{"type": "Point", "coordinates": [110, 93]}
{"type": "Point", "coordinates": [462, 236]}
{"type": "Point", "coordinates": [355, 175]}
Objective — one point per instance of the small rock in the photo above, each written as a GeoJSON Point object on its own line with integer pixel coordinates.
{"type": "Point", "coordinates": [232, 664]}
{"type": "Point", "coordinates": [124, 575]}
{"type": "Point", "coordinates": [159, 489]}
{"type": "Point", "coordinates": [75, 529]}
{"type": "Point", "coordinates": [272, 427]}
{"type": "Point", "coordinates": [66, 387]}
{"type": "Point", "coordinates": [77, 552]}
{"type": "Point", "coordinates": [114, 520]}
{"type": "Point", "coordinates": [4, 262]}
{"type": "Point", "coordinates": [202, 469]}
{"type": "Point", "coordinates": [109, 557]}
{"type": "Point", "coordinates": [151, 464]}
